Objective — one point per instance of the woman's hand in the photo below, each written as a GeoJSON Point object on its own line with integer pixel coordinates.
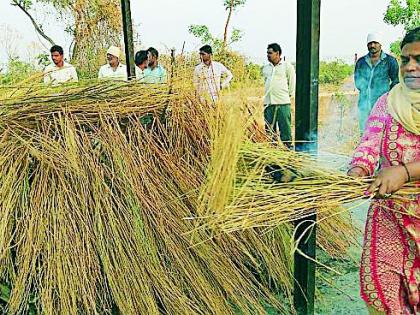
{"type": "Point", "coordinates": [388, 181]}
{"type": "Point", "coordinates": [357, 172]}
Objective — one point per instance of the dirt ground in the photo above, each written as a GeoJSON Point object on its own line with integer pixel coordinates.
{"type": "Point", "coordinates": [342, 295]}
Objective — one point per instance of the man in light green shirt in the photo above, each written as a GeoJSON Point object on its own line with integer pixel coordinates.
{"type": "Point", "coordinates": [280, 82]}
{"type": "Point", "coordinates": [154, 73]}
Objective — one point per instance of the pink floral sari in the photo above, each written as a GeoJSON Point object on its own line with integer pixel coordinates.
{"type": "Point", "coordinates": [390, 266]}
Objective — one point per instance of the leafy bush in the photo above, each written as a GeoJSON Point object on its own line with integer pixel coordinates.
{"type": "Point", "coordinates": [334, 72]}
{"type": "Point", "coordinates": [17, 70]}
{"type": "Point", "coordinates": [253, 72]}
{"type": "Point", "coordinates": [395, 48]}
{"type": "Point", "coordinates": [234, 61]}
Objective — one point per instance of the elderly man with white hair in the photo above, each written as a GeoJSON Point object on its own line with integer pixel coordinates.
{"type": "Point", "coordinates": [114, 69]}
{"type": "Point", "coordinates": [375, 74]}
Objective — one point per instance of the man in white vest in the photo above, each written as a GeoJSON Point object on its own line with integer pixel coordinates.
{"type": "Point", "coordinates": [59, 71]}
{"type": "Point", "coordinates": [114, 69]}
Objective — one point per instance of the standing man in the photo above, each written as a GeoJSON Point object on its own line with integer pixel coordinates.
{"type": "Point", "coordinates": [280, 82]}
{"type": "Point", "coordinates": [374, 75]}
{"type": "Point", "coordinates": [208, 75]}
{"type": "Point", "coordinates": [114, 69]}
{"type": "Point", "coordinates": [154, 73]}
{"type": "Point", "coordinates": [59, 71]}
{"type": "Point", "coordinates": [141, 61]}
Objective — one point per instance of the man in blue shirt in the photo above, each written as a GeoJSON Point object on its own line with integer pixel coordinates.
{"type": "Point", "coordinates": [375, 74]}
{"type": "Point", "coordinates": [154, 73]}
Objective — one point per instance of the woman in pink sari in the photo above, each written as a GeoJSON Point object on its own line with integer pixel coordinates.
{"type": "Point", "coordinates": [390, 266]}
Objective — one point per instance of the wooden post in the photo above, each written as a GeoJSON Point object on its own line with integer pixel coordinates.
{"type": "Point", "coordinates": [306, 134]}
{"type": "Point", "coordinates": [128, 38]}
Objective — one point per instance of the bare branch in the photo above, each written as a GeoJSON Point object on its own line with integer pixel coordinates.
{"type": "Point", "coordinates": [35, 24]}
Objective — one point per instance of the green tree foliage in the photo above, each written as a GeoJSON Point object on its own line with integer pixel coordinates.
{"type": "Point", "coordinates": [334, 72]}
{"type": "Point", "coordinates": [234, 61]}
{"type": "Point", "coordinates": [93, 25]}
{"type": "Point", "coordinates": [17, 70]}
{"type": "Point", "coordinates": [241, 68]}
{"type": "Point", "coordinates": [395, 48]}
{"type": "Point", "coordinates": [203, 33]}
{"type": "Point", "coordinates": [236, 3]}
{"type": "Point", "coordinates": [253, 72]}
{"type": "Point", "coordinates": [405, 13]}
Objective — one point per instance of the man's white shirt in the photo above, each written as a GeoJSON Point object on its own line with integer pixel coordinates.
{"type": "Point", "coordinates": [107, 72]}
{"type": "Point", "coordinates": [207, 79]}
{"type": "Point", "coordinates": [280, 83]}
{"type": "Point", "coordinates": [139, 74]}
{"type": "Point", "coordinates": [55, 75]}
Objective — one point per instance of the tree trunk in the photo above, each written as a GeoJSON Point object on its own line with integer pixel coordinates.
{"type": "Point", "coordinates": [227, 24]}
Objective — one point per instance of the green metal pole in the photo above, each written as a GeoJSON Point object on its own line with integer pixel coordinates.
{"type": "Point", "coordinates": [128, 38]}
{"type": "Point", "coordinates": [306, 134]}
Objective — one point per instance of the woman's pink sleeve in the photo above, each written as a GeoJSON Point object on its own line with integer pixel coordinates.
{"type": "Point", "coordinates": [368, 152]}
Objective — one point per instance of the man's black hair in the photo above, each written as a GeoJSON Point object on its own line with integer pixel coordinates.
{"type": "Point", "coordinates": [153, 51]}
{"type": "Point", "coordinates": [411, 37]}
{"type": "Point", "coordinates": [140, 57]}
{"type": "Point", "coordinates": [58, 49]}
{"type": "Point", "coordinates": [276, 47]}
{"type": "Point", "coordinates": [207, 49]}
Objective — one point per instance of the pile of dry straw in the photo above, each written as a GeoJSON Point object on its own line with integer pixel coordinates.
{"type": "Point", "coordinates": [114, 197]}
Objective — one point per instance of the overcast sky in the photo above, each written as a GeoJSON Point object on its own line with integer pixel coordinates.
{"type": "Point", "coordinates": [164, 24]}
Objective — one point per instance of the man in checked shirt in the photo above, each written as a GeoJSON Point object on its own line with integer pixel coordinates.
{"type": "Point", "coordinates": [208, 75]}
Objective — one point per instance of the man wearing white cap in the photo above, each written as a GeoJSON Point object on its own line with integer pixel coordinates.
{"type": "Point", "coordinates": [375, 74]}
{"type": "Point", "coordinates": [114, 69]}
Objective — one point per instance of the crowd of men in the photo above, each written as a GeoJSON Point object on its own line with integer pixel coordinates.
{"type": "Point", "coordinates": [375, 74]}
{"type": "Point", "coordinates": [209, 78]}
{"type": "Point", "coordinates": [148, 69]}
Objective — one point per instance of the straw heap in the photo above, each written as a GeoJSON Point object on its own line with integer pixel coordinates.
{"type": "Point", "coordinates": [95, 188]}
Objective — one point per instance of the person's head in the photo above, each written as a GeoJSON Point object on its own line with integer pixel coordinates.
{"type": "Point", "coordinates": [205, 53]}
{"type": "Point", "coordinates": [153, 56]}
{"type": "Point", "coordinates": [410, 59]}
{"type": "Point", "coordinates": [141, 59]}
{"type": "Point", "coordinates": [374, 43]}
{"type": "Point", "coordinates": [57, 55]}
{"type": "Point", "coordinates": [274, 53]}
{"type": "Point", "coordinates": [113, 56]}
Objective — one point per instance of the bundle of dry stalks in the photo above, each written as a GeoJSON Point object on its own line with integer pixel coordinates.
{"type": "Point", "coordinates": [94, 203]}
{"type": "Point", "coordinates": [256, 201]}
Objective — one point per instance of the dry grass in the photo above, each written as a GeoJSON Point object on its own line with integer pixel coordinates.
{"type": "Point", "coordinates": [94, 203]}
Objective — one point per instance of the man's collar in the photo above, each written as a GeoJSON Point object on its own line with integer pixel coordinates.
{"type": "Point", "coordinates": [273, 65]}
{"type": "Point", "coordinates": [119, 65]}
{"type": "Point", "coordinates": [152, 69]}
{"type": "Point", "coordinates": [381, 56]}
{"type": "Point", "coordinates": [55, 66]}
